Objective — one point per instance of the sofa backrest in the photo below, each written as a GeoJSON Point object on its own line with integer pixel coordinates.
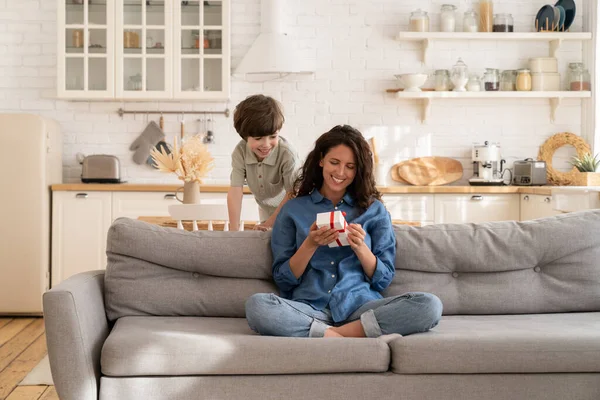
{"type": "Point", "coordinates": [540, 266]}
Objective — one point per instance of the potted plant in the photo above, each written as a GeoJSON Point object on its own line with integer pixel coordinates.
{"type": "Point", "coordinates": [587, 166]}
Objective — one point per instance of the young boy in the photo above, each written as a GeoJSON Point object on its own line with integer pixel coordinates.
{"type": "Point", "coordinates": [262, 159]}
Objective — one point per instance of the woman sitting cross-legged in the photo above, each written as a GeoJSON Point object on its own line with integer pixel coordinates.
{"type": "Point", "coordinates": [336, 291]}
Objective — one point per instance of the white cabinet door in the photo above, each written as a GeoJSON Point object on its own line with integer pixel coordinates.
{"type": "Point", "coordinates": [138, 204]}
{"type": "Point", "coordinates": [86, 49]}
{"type": "Point", "coordinates": [536, 206]}
{"type": "Point", "coordinates": [461, 208]}
{"type": "Point", "coordinates": [410, 207]}
{"type": "Point", "coordinates": [202, 60]}
{"type": "Point", "coordinates": [80, 222]}
{"type": "Point", "coordinates": [144, 44]}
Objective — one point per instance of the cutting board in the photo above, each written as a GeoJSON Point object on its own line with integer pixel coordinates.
{"type": "Point", "coordinates": [428, 171]}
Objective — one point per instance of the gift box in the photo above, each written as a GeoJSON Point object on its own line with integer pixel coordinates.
{"type": "Point", "coordinates": [334, 220]}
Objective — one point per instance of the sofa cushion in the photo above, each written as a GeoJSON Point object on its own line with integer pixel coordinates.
{"type": "Point", "coordinates": [536, 343]}
{"type": "Point", "coordinates": [166, 346]}
{"type": "Point", "coordinates": [183, 273]}
{"type": "Point", "coordinates": [547, 265]}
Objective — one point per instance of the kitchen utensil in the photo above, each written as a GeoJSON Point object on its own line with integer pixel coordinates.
{"type": "Point", "coordinates": [429, 171]}
{"type": "Point", "coordinates": [570, 9]}
{"type": "Point", "coordinates": [394, 175]}
{"type": "Point", "coordinates": [412, 82]}
{"type": "Point", "coordinates": [487, 165]}
{"type": "Point", "coordinates": [182, 131]}
{"type": "Point", "coordinates": [544, 20]}
{"type": "Point", "coordinates": [161, 146]}
{"type": "Point", "coordinates": [101, 168]}
{"type": "Point", "coordinates": [210, 136]}
{"type": "Point", "coordinates": [148, 139]}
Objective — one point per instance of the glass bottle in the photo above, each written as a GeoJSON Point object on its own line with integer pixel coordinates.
{"type": "Point", "coordinates": [491, 80]}
{"type": "Point", "coordinates": [419, 21]}
{"type": "Point", "coordinates": [486, 15]}
{"type": "Point", "coordinates": [470, 21]}
{"type": "Point", "coordinates": [78, 38]}
{"type": "Point", "coordinates": [523, 80]}
{"type": "Point", "coordinates": [459, 76]}
{"type": "Point", "coordinates": [448, 18]}
{"type": "Point", "coordinates": [442, 80]}
{"type": "Point", "coordinates": [503, 23]}
{"type": "Point", "coordinates": [508, 80]}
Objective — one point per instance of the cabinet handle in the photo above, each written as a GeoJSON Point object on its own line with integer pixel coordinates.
{"type": "Point", "coordinates": [547, 200]}
{"type": "Point", "coordinates": [477, 198]}
{"type": "Point", "coordinates": [81, 196]}
{"type": "Point", "coordinates": [526, 198]}
{"type": "Point", "coordinates": [169, 197]}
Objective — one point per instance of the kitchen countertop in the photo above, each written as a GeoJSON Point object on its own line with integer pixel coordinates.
{"type": "Point", "coordinates": [400, 189]}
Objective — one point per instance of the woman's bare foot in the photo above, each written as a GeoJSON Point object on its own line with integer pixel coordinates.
{"type": "Point", "coordinates": [329, 332]}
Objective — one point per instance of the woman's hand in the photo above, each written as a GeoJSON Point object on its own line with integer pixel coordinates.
{"type": "Point", "coordinates": [321, 236]}
{"type": "Point", "coordinates": [356, 236]}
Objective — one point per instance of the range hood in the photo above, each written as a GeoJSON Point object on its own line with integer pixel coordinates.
{"type": "Point", "coordinates": [273, 52]}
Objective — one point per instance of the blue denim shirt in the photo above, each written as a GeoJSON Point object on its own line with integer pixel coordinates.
{"type": "Point", "coordinates": [334, 277]}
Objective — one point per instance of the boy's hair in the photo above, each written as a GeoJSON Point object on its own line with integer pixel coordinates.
{"type": "Point", "coordinates": [258, 116]}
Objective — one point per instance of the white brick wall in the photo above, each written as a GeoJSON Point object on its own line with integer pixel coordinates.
{"type": "Point", "coordinates": [356, 58]}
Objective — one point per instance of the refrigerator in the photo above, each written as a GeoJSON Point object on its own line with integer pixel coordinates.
{"type": "Point", "coordinates": [30, 161]}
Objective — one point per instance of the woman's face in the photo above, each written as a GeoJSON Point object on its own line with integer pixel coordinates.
{"type": "Point", "coordinates": [262, 146]}
{"type": "Point", "coordinates": [339, 168]}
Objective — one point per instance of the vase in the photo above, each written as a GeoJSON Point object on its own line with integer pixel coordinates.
{"type": "Point", "coordinates": [191, 193]}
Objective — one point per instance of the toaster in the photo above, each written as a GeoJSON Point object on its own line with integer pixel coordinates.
{"type": "Point", "coordinates": [529, 172]}
{"type": "Point", "coordinates": [101, 168]}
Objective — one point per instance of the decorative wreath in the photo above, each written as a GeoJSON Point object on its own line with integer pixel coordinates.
{"type": "Point", "coordinates": [547, 153]}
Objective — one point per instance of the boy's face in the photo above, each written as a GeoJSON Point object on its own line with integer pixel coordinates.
{"type": "Point", "coordinates": [262, 146]}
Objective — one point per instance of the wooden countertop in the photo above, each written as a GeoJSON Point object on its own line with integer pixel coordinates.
{"type": "Point", "coordinates": [400, 189]}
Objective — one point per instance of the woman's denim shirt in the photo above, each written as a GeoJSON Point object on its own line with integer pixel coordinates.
{"type": "Point", "coordinates": [334, 277]}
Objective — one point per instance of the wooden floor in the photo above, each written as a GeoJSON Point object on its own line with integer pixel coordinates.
{"type": "Point", "coordinates": [22, 347]}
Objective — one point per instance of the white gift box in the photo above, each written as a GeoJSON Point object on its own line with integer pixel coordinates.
{"type": "Point", "coordinates": [334, 220]}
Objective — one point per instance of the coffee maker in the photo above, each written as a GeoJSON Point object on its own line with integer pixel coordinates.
{"type": "Point", "coordinates": [487, 165]}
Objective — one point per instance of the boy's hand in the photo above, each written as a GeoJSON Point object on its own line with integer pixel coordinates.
{"type": "Point", "coordinates": [262, 227]}
{"type": "Point", "coordinates": [321, 236]}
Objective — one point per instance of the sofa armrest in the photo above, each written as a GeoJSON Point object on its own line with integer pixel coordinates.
{"type": "Point", "coordinates": [76, 328]}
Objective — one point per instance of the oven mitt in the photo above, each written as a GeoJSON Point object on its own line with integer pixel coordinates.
{"type": "Point", "coordinates": [145, 142]}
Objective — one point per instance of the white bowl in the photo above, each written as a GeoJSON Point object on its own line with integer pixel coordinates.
{"type": "Point", "coordinates": [412, 82]}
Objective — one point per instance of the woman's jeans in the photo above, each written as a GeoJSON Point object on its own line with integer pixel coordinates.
{"type": "Point", "coordinates": [409, 313]}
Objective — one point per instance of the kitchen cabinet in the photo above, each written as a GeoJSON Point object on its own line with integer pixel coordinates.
{"type": "Point", "coordinates": [536, 206]}
{"type": "Point", "coordinates": [461, 208]}
{"type": "Point", "coordinates": [410, 207]}
{"type": "Point", "coordinates": [144, 50]}
{"type": "Point", "coordinates": [80, 222]}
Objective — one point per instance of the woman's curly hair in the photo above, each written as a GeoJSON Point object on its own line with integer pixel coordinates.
{"type": "Point", "coordinates": [362, 189]}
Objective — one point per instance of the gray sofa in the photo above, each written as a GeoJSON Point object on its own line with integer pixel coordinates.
{"type": "Point", "coordinates": [166, 319]}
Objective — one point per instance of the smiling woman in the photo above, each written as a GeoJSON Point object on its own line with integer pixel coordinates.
{"type": "Point", "coordinates": [336, 291]}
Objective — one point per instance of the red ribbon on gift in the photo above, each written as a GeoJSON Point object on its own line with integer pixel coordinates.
{"type": "Point", "coordinates": [332, 225]}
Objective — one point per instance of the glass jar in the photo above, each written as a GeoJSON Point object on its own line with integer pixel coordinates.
{"type": "Point", "coordinates": [135, 82]}
{"type": "Point", "coordinates": [474, 83]}
{"type": "Point", "coordinates": [448, 18]}
{"type": "Point", "coordinates": [491, 80]}
{"type": "Point", "coordinates": [508, 80]}
{"type": "Point", "coordinates": [470, 21]}
{"type": "Point", "coordinates": [523, 80]}
{"type": "Point", "coordinates": [578, 78]}
{"type": "Point", "coordinates": [486, 15]}
{"type": "Point", "coordinates": [503, 23]}
{"type": "Point", "coordinates": [419, 21]}
{"type": "Point", "coordinates": [442, 80]}
{"type": "Point", "coordinates": [459, 76]}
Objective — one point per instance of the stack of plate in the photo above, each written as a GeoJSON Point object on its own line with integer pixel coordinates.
{"type": "Point", "coordinates": [555, 18]}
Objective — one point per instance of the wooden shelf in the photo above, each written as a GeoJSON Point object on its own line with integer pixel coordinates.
{"type": "Point", "coordinates": [554, 98]}
{"type": "Point", "coordinates": [554, 39]}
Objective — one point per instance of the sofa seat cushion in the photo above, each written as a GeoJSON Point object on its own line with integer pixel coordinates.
{"type": "Point", "coordinates": [531, 343]}
{"type": "Point", "coordinates": [167, 346]}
